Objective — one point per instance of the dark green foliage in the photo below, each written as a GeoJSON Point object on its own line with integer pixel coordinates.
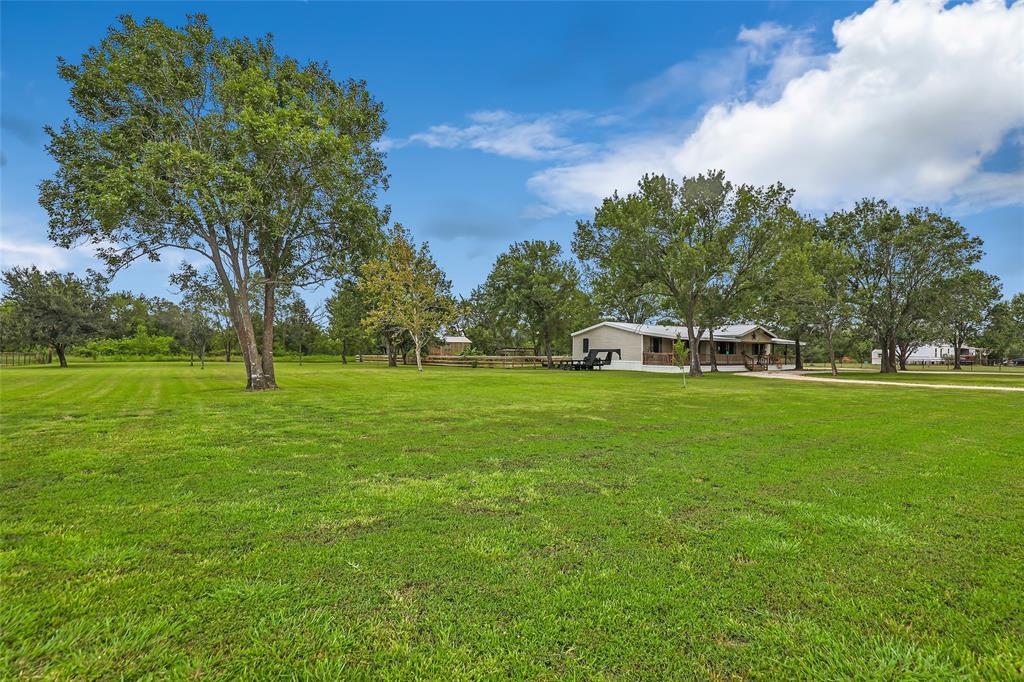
{"type": "Point", "coordinates": [297, 329]}
{"type": "Point", "coordinates": [963, 304]}
{"type": "Point", "coordinates": [531, 298]}
{"type": "Point", "coordinates": [899, 261]}
{"type": "Point", "coordinates": [345, 312]}
{"type": "Point", "coordinates": [484, 319]}
{"type": "Point", "coordinates": [47, 308]}
{"type": "Point", "coordinates": [1004, 335]}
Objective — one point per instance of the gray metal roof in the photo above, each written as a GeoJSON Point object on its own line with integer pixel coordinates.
{"type": "Point", "coordinates": [729, 332]}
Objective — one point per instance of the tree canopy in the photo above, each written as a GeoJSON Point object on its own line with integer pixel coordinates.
{"type": "Point", "coordinates": [533, 291]}
{"type": "Point", "coordinates": [964, 304]}
{"type": "Point", "coordinates": [1004, 333]}
{"type": "Point", "coordinates": [346, 309]}
{"type": "Point", "coordinates": [222, 147]}
{"type": "Point", "coordinates": [405, 290]}
{"type": "Point", "coordinates": [899, 260]}
{"type": "Point", "coordinates": [51, 309]}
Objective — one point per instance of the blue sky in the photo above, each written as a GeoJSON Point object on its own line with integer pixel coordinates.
{"type": "Point", "coordinates": [511, 121]}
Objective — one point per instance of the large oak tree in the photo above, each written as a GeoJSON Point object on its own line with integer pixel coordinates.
{"type": "Point", "coordinates": [53, 309]}
{"type": "Point", "coordinates": [899, 261]}
{"type": "Point", "coordinates": [221, 147]}
{"type": "Point", "coordinates": [965, 302]}
{"type": "Point", "coordinates": [533, 288]}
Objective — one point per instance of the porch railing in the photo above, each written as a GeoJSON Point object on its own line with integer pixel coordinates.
{"type": "Point", "coordinates": [764, 361]}
{"type": "Point", "coordinates": [722, 359]}
{"type": "Point", "coordinates": [705, 358]}
{"type": "Point", "coordinates": [659, 358]}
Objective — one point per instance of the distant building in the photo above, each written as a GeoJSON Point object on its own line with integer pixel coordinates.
{"type": "Point", "coordinates": [451, 345]}
{"type": "Point", "coordinates": [938, 354]}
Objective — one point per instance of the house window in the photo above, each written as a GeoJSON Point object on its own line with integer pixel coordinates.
{"type": "Point", "coordinates": [655, 344]}
{"type": "Point", "coordinates": [586, 345]}
{"type": "Point", "coordinates": [725, 347]}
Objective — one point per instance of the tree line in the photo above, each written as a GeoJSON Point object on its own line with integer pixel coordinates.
{"type": "Point", "coordinates": [707, 252]}
{"type": "Point", "coordinates": [268, 171]}
{"type": "Point", "coordinates": [66, 313]}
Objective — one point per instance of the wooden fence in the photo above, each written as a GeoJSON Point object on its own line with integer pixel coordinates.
{"type": "Point", "coordinates": [494, 361]}
{"type": "Point", "coordinates": [13, 358]}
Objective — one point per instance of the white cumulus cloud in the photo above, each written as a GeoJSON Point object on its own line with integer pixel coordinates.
{"type": "Point", "coordinates": [909, 104]}
{"type": "Point", "coordinates": [24, 253]}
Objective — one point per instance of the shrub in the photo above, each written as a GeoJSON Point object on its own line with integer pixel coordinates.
{"type": "Point", "coordinates": [142, 344]}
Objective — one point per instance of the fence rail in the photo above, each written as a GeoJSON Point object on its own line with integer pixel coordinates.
{"type": "Point", "coordinates": [12, 358]}
{"type": "Point", "coordinates": [494, 361]}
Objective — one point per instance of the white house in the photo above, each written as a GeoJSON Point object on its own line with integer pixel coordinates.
{"type": "Point", "coordinates": [648, 347]}
{"type": "Point", "coordinates": [939, 354]}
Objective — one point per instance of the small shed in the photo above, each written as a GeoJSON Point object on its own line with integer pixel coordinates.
{"type": "Point", "coordinates": [451, 345]}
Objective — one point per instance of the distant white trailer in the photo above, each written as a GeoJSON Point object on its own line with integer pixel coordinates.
{"type": "Point", "coordinates": [940, 354]}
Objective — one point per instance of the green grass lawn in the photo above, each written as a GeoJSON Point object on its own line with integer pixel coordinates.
{"type": "Point", "coordinates": [967, 369]}
{"type": "Point", "coordinates": [366, 522]}
{"type": "Point", "coordinates": [963, 378]}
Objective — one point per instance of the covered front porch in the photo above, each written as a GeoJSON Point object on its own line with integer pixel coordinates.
{"type": "Point", "coordinates": [751, 355]}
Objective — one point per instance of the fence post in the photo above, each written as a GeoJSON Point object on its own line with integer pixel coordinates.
{"type": "Point", "coordinates": [16, 358]}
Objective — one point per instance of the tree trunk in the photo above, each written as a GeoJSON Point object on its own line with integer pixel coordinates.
{"type": "Point", "coordinates": [904, 353]}
{"type": "Point", "coordinates": [547, 352]}
{"type": "Point", "coordinates": [247, 346]}
{"type": "Point", "coordinates": [241, 315]}
{"type": "Point", "coordinates": [202, 357]}
{"type": "Point", "coordinates": [712, 351]}
{"type": "Point", "coordinates": [957, 345]}
{"type": "Point", "coordinates": [831, 354]}
{"type": "Point", "coordinates": [799, 360]}
{"type": "Point", "coordinates": [888, 340]}
{"type": "Point", "coordinates": [695, 370]}
{"type": "Point", "coordinates": [268, 335]}
{"type": "Point", "coordinates": [419, 362]}
{"type": "Point", "coordinates": [389, 348]}
{"type": "Point", "coordinates": [60, 355]}
{"type": "Point", "coordinates": [191, 358]}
